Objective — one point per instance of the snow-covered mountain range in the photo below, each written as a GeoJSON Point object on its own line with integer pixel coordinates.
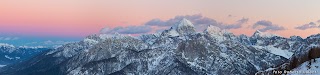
{"type": "Point", "coordinates": [10, 54]}
{"type": "Point", "coordinates": [179, 50]}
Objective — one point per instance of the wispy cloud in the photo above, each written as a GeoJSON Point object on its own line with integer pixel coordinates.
{"type": "Point", "coordinates": [231, 16]}
{"type": "Point", "coordinates": [9, 38]}
{"type": "Point", "coordinates": [48, 43]}
{"type": "Point", "coordinates": [308, 26]}
{"type": "Point", "coordinates": [236, 25]}
{"type": "Point", "coordinates": [127, 30]}
{"type": "Point", "coordinates": [267, 26]}
{"type": "Point", "coordinates": [197, 20]}
{"type": "Point", "coordinates": [200, 22]}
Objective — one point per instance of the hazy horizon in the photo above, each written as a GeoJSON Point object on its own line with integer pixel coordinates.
{"type": "Point", "coordinates": [80, 18]}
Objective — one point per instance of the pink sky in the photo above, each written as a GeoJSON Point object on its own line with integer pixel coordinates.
{"type": "Point", "coordinates": [83, 17]}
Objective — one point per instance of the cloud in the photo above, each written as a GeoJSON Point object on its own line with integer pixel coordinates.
{"type": "Point", "coordinates": [268, 25]}
{"type": "Point", "coordinates": [236, 25]}
{"type": "Point", "coordinates": [158, 25]}
{"type": "Point", "coordinates": [198, 20]}
{"type": "Point", "coordinates": [309, 25]}
{"type": "Point", "coordinates": [156, 22]}
{"type": "Point", "coordinates": [127, 30]}
{"type": "Point", "coordinates": [9, 38]}
{"type": "Point", "coordinates": [49, 42]}
{"type": "Point", "coordinates": [243, 20]}
{"type": "Point", "coordinates": [312, 23]}
{"type": "Point", "coordinates": [230, 16]}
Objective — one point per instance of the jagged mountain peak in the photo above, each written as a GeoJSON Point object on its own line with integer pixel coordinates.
{"type": "Point", "coordinates": [184, 22]}
{"type": "Point", "coordinates": [215, 30]}
{"type": "Point", "coordinates": [314, 36]}
{"type": "Point", "coordinates": [217, 33]}
{"type": "Point", "coordinates": [296, 37]}
{"type": "Point", "coordinates": [183, 27]}
{"type": "Point", "coordinates": [5, 45]}
{"type": "Point", "coordinates": [259, 33]}
{"type": "Point", "coordinates": [212, 29]}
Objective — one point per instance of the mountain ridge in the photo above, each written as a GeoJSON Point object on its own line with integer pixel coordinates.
{"type": "Point", "coordinates": [178, 50]}
{"type": "Point", "coordinates": [10, 54]}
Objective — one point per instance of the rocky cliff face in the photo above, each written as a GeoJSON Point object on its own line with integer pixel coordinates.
{"type": "Point", "coordinates": [176, 51]}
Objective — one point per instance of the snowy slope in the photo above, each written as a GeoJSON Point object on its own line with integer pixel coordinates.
{"type": "Point", "coordinates": [276, 51]}
{"type": "Point", "coordinates": [2, 66]}
{"type": "Point", "coordinates": [306, 69]}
